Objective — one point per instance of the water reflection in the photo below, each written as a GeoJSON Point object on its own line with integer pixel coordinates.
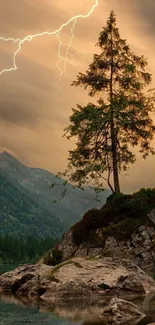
{"type": "Point", "coordinates": [75, 310]}
{"type": "Point", "coordinates": [17, 312]}
{"type": "Point", "coordinates": [14, 312]}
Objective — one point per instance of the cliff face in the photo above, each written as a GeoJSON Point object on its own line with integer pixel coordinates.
{"type": "Point", "coordinates": [123, 228]}
{"type": "Point", "coordinates": [140, 247]}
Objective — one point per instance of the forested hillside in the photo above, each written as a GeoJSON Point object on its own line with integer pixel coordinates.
{"type": "Point", "coordinates": [20, 215]}
{"type": "Point", "coordinates": [35, 184]}
{"type": "Point", "coordinates": [19, 249]}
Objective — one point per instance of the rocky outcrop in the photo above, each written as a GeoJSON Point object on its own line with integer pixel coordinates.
{"type": "Point", "coordinates": [104, 255]}
{"type": "Point", "coordinates": [29, 274]}
{"type": "Point", "coordinates": [139, 247]}
{"type": "Point", "coordinates": [120, 311]}
{"type": "Point", "coordinates": [78, 277]}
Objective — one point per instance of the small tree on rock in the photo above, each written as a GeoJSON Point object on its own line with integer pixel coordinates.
{"type": "Point", "coordinates": [106, 131]}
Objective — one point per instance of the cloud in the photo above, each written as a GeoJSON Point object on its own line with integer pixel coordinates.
{"type": "Point", "coordinates": [30, 108]}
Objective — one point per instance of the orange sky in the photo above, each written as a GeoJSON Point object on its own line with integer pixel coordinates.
{"type": "Point", "coordinates": [32, 113]}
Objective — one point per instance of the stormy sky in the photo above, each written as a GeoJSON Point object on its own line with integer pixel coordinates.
{"type": "Point", "coordinates": [33, 113]}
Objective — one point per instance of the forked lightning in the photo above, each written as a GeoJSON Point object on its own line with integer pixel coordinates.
{"type": "Point", "coordinates": [61, 59]}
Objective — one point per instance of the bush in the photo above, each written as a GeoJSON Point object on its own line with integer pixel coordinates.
{"type": "Point", "coordinates": [56, 256]}
{"type": "Point", "coordinates": [127, 212]}
{"type": "Point", "coordinates": [47, 258]}
{"type": "Point", "coordinates": [53, 257]}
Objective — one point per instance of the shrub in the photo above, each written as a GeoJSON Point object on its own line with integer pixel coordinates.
{"type": "Point", "coordinates": [47, 258]}
{"type": "Point", "coordinates": [53, 257]}
{"type": "Point", "coordinates": [56, 256]}
{"type": "Point", "coordinates": [127, 212]}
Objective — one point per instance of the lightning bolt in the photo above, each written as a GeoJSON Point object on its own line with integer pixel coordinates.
{"type": "Point", "coordinates": [61, 58]}
{"type": "Point", "coordinates": [62, 61]}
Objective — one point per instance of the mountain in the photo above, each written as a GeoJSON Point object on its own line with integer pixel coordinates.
{"type": "Point", "coordinates": [22, 216]}
{"type": "Point", "coordinates": [34, 183]}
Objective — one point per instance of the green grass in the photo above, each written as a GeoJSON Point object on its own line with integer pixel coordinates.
{"type": "Point", "coordinates": [57, 267]}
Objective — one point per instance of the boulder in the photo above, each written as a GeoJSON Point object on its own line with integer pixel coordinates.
{"type": "Point", "coordinates": [23, 275]}
{"type": "Point", "coordinates": [120, 311]}
{"type": "Point", "coordinates": [78, 277]}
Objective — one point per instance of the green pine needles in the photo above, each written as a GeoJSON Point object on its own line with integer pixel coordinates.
{"type": "Point", "coordinates": [107, 131]}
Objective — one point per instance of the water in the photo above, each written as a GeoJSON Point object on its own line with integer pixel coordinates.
{"type": "Point", "coordinates": [15, 312]}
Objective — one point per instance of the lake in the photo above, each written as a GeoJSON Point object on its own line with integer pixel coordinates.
{"type": "Point", "coordinates": [14, 312]}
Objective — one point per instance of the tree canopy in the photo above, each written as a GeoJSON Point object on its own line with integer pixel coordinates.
{"type": "Point", "coordinates": [107, 130]}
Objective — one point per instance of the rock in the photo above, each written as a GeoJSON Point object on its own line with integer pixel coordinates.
{"type": "Point", "coordinates": [93, 252]}
{"type": "Point", "coordinates": [22, 276]}
{"type": "Point", "coordinates": [151, 216]}
{"type": "Point", "coordinates": [120, 311]}
{"type": "Point", "coordinates": [146, 256]}
{"type": "Point", "coordinates": [69, 290]}
{"type": "Point", "coordinates": [136, 238]}
{"type": "Point", "coordinates": [145, 235]}
{"type": "Point", "coordinates": [153, 255]}
{"type": "Point", "coordinates": [81, 251]}
{"type": "Point", "coordinates": [148, 302]}
{"type": "Point", "coordinates": [151, 231]}
{"type": "Point", "coordinates": [111, 243]}
{"type": "Point", "coordinates": [78, 277]}
{"type": "Point", "coordinates": [67, 246]}
{"type": "Point", "coordinates": [131, 283]}
{"type": "Point", "coordinates": [139, 247]}
{"type": "Point", "coordinates": [141, 228]}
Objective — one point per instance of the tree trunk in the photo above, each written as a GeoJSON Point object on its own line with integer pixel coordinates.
{"type": "Point", "coordinates": [114, 161]}
{"type": "Point", "coordinates": [113, 134]}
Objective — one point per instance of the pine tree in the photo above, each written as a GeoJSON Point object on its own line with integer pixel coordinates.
{"type": "Point", "coordinates": [120, 118]}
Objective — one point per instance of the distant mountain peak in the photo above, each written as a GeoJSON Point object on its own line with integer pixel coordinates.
{"type": "Point", "coordinates": [5, 155]}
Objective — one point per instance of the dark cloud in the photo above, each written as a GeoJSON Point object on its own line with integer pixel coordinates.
{"type": "Point", "coordinates": [19, 18]}
{"type": "Point", "coordinates": [23, 98]}
{"type": "Point", "coordinates": [16, 113]}
{"type": "Point", "coordinates": [30, 108]}
{"type": "Point", "coordinates": [145, 10]}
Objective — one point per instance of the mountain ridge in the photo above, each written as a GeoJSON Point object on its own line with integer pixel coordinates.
{"type": "Point", "coordinates": [35, 183]}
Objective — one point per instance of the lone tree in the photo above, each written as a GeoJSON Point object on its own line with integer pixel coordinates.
{"type": "Point", "coordinates": [107, 130]}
